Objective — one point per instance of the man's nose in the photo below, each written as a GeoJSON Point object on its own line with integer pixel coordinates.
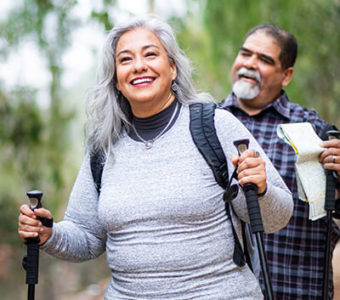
{"type": "Point", "coordinates": [251, 62]}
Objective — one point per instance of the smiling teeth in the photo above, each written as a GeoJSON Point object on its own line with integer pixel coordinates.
{"type": "Point", "coordinates": [137, 81]}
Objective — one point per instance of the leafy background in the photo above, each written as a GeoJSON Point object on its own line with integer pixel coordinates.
{"type": "Point", "coordinates": [41, 135]}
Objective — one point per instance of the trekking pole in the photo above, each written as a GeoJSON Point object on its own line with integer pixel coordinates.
{"type": "Point", "coordinates": [329, 208]}
{"type": "Point", "coordinates": [31, 259]}
{"type": "Point", "coordinates": [250, 191]}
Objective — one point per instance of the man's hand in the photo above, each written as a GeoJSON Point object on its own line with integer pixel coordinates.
{"type": "Point", "coordinates": [330, 158]}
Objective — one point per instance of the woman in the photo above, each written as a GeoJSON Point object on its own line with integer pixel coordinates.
{"type": "Point", "coordinates": [160, 215]}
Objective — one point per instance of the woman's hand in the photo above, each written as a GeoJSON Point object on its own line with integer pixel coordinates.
{"type": "Point", "coordinates": [30, 227]}
{"type": "Point", "coordinates": [251, 168]}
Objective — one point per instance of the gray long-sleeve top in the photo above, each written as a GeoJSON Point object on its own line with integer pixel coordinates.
{"type": "Point", "coordinates": [161, 218]}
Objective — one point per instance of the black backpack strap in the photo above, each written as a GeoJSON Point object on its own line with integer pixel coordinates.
{"type": "Point", "coordinates": [202, 128]}
{"type": "Point", "coordinates": [97, 164]}
{"type": "Point", "coordinates": [238, 256]}
{"type": "Point", "coordinates": [247, 237]}
{"type": "Point", "coordinates": [203, 132]}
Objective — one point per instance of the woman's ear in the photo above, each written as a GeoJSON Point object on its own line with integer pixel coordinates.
{"type": "Point", "coordinates": [173, 70]}
{"type": "Point", "coordinates": [117, 86]}
{"type": "Point", "coordinates": [288, 74]}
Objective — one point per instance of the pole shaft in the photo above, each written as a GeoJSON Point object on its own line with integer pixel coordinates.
{"type": "Point", "coordinates": [264, 266]}
{"type": "Point", "coordinates": [329, 207]}
{"type": "Point", "coordinates": [327, 257]}
{"type": "Point", "coordinates": [256, 224]}
{"type": "Point", "coordinates": [31, 291]}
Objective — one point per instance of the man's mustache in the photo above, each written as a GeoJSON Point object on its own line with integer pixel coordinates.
{"type": "Point", "coordinates": [249, 73]}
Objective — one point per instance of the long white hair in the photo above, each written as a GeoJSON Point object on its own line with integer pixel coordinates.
{"type": "Point", "coordinates": [108, 112]}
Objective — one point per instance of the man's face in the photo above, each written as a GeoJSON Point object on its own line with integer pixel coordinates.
{"type": "Point", "coordinates": [256, 73]}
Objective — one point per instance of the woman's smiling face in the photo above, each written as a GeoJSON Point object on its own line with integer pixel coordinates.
{"type": "Point", "coordinates": [144, 72]}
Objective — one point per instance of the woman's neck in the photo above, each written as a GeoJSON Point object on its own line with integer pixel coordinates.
{"type": "Point", "coordinates": [145, 110]}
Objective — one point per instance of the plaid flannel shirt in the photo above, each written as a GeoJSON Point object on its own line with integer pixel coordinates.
{"type": "Point", "coordinates": [296, 253]}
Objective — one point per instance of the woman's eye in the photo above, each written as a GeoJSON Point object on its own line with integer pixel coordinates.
{"type": "Point", "coordinates": [124, 59]}
{"type": "Point", "coordinates": [150, 54]}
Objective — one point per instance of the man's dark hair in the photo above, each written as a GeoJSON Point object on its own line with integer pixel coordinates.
{"type": "Point", "coordinates": [285, 40]}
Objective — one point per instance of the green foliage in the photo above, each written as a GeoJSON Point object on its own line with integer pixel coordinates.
{"type": "Point", "coordinates": [49, 24]}
{"type": "Point", "coordinates": [103, 16]}
{"type": "Point", "coordinates": [35, 140]}
{"type": "Point", "coordinates": [21, 134]}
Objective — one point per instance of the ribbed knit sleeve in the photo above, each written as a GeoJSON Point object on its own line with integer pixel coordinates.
{"type": "Point", "coordinates": [277, 204]}
{"type": "Point", "coordinates": [80, 236]}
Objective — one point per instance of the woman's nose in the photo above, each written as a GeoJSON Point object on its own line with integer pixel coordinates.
{"type": "Point", "coordinates": [139, 65]}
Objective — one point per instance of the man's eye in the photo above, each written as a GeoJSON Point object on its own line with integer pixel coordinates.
{"type": "Point", "coordinates": [266, 60]}
{"type": "Point", "coordinates": [244, 53]}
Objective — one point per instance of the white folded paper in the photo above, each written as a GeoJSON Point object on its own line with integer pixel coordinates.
{"type": "Point", "coordinates": [310, 173]}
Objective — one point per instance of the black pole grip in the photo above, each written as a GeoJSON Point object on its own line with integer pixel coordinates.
{"type": "Point", "coordinates": [32, 263]}
{"type": "Point", "coordinates": [31, 260]}
{"type": "Point", "coordinates": [250, 190]}
{"type": "Point", "coordinates": [330, 191]}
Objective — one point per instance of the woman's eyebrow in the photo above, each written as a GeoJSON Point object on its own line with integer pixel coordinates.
{"type": "Point", "coordinates": [143, 48]}
{"type": "Point", "coordinates": [150, 46]}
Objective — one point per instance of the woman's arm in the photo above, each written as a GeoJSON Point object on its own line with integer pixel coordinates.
{"type": "Point", "coordinates": [80, 236]}
{"type": "Point", "coordinates": [276, 204]}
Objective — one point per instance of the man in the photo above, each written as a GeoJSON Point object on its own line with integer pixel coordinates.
{"type": "Point", "coordinates": [262, 68]}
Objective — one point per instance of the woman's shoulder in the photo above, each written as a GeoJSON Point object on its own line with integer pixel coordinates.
{"type": "Point", "coordinates": [224, 116]}
{"type": "Point", "coordinates": [228, 126]}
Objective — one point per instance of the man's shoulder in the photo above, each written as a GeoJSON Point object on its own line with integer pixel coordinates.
{"type": "Point", "coordinates": [300, 113]}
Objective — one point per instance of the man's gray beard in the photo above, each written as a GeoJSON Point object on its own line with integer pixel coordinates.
{"type": "Point", "coordinates": [245, 90]}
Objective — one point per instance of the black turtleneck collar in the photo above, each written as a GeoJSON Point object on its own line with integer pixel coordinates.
{"type": "Point", "coordinates": [148, 128]}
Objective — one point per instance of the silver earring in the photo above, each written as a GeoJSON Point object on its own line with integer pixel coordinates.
{"type": "Point", "coordinates": [174, 87]}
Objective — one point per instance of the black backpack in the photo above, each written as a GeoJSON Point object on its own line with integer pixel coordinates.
{"type": "Point", "coordinates": [203, 132]}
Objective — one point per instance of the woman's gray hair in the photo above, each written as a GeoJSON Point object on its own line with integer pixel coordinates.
{"type": "Point", "coordinates": [108, 112]}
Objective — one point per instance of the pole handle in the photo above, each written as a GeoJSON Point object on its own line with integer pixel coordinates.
{"type": "Point", "coordinates": [330, 191]}
{"type": "Point", "coordinates": [31, 259]}
{"type": "Point", "coordinates": [331, 178]}
{"type": "Point", "coordinates": [35, 202]}
{"type": "Point", "coordinates": [250, 190]}
{"type": "Point", "coordinates": [35, 199]}
{"type": "Point", "coordinates": [32, 263]}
